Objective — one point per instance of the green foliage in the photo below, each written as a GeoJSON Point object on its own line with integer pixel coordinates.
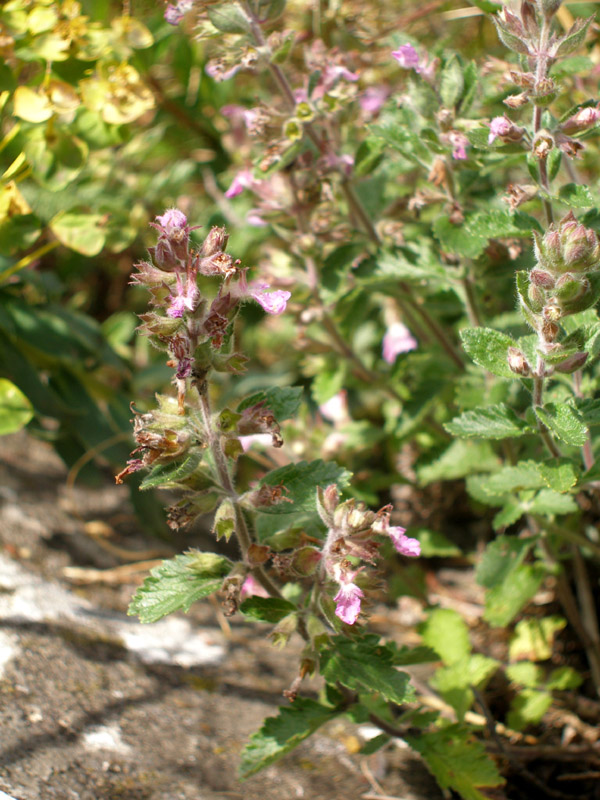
{"type": "Point", "coordinates": [281, 734]}
{"type": "Point", "coordinates": [447, 634]}
{"type": "Point", "coordinates": [491, 422]}
{"type": "Point", "coordinates": [301, 481]}
{"type": "Point", "coordinates": [458, 761]}
{"type": "Point", "coordinates": [15, 408]}
{"type": "Point", "coordinates": [177, 584]}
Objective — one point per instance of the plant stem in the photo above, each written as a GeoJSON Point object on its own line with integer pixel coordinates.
{"type": "Point", "coordinates": [586, 451]}
{"type": "Point", "coordinates": [241, 528]}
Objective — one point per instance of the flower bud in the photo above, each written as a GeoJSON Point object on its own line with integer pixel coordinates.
{"type": "Point", "coordinates": [552, 312]}
{"type": "Point", "coordinates": [536, 297]}
{"type": "Point", "coordinates": [327, 501]}
{"type": "Point", "coordinates": [573, 363]}
{"type": "Point", "coordinates": [504, 129]}
{"type": "Point", "coordinates": [542, 144]}
{"type": "Point", "coordinates": [582, 120]}
{"type": "Point", "coordinates": [541, 278]}
{"type": "Point", "coordinates": [569, 287]}
{"type": "Point", "coordinates": [305, 560]}
{"type": "Point", "coordinates": [567, 246]}
{"type": "Point", "coordinates": [549, 7]}
{"type": "Point", "coordinates": [215, 242]}
{"type": "Point", "coordinates": [517, 362]}
{"type": "Point", "coordinates": [516, 100]}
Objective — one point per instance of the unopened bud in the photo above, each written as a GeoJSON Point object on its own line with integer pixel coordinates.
{"type": "Point", "coordinates": [516, 100]}
{"type": "Point", "coordinates": [573, 363]}
{"type": "Point", "coordinates": [517, 362]}
{"type": "Point", "coordinates": [215, 242]}
{"type": "Point", "coordinates": [549, 7]}
{"type": "Point", "coordinates": [582, 120]}
{"type": "Point", "coordinates": [258, 554]}
{"type": "Point", "coordinates": [327, 501]}
{"type": "Point", "coordinates": [504, 129]}
{"type": "Point", "coordinates": [305, 560]}
{"type": "Point", "coordinates": [525, 80]}
{"type": "Point", "coordinates": [541, 278]}
{"type": "Point", "coordinates": [542, 144]}
{"type": "Point", "coordinates": [536, 297]}
{"type": "Point", "coordinates": [544, 92]}
{"type": "Point", "coordinates": [569, 287]}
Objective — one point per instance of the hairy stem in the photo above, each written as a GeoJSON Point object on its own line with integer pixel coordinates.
{"type": "Point", "coordinates": [241, 528]}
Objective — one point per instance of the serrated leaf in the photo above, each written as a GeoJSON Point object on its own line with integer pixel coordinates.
{"type": "Point", "coordinates": [457, 760]}
{"type": "Point", "coordinates": [301, 481]}
{"type": "Point", "coordinates": [267, 609]}
{"type": "Point", "coordinates": [279, 735]}
{"type": "Point", "coordinates": [458, 238]}
{"type": "Point", "coordinates": [564, 421]}
{"type": "Point", "coordinates": [533, 638]}
{"type": "Point", "coordinates": [282, 401]}
{"type": "Point", "coordinates": [15, 409]}
{"type": "Point", "coordinates": [366, 665]}
{"type": "Point", "coordinates": [525, 673]}
{"type": "Point", "coordinates": [500, 558]}
{"type": "Point", "coordinates": [528, 708]}
{"type": "Point", "coordinates": [559, 474]}
{"type": "Point", "coordinates": [488, 422]}
{"type": "Point", "coordinates": [169, 475]}
{"type": "Point", "coordinates": [511, 511]}
{"type": "Point", "coordinates": [509, 39]}
{"type": "Point", "coordinates": [503, 602]}
{"type": "Point", "coordinates": [549, 502]}
{"type": "Point", "coordinates": [176, 584]}
{"type": "Point", "coordinates": [575, 195]}
{"type": "Point", "coordinates": [564, 678]}
{"type": "Point", "coordinates": [458, 460]}
{"type": "Point", "coordinates": [524, 475]}
{"type": "Point", "coordinates": [446, 632]}
{"type": "Point", "coordinates": [489, 349]}
{"type": "Point", "coordinates": [454, 682]}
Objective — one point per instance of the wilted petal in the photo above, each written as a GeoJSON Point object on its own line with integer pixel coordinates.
{"type": "Point", "coordinates": [252, 588]}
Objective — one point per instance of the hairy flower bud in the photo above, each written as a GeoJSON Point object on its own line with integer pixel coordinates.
{"type": "Point", "coordinates": [504, 129]}
{"type": "Point", "coordinates": [215, 242]}
{"type": "Point", "coordinates": [573, 363]}
{"type": "Point", "coordinates": [543, 143]}
{"type": "Point", "coordinates": [542, 278]}
{"type": "Point", "coordinates": [567, 247]}
{"type": "Point", "coordinates": [517, 362]}
{"type": "Point", "coordinates": [582, 120]}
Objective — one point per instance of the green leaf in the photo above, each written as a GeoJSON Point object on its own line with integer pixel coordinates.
{"type": "Point", "coordinates": [488, 422]}
{"type": "Point", "coordinates": [457, 760]}
{"type": "Point", "coordinates": [549, 502]}
{"type": "Point", "coordinates": [510, 40]}
{"type": "Point", "coordinates": [589, 410]}
{"type": "Point", "coordinates": [503, 602]}
{"type": "Point", "coordinates": [526, 674]}
{"type": "Point", "coordinates": [524, 475]}
{"type": "Point", "coordinates": [489, 349]}
{"type": "Point", "coordinates": [279, 735]}
{"type": "Point", "coordinates": [528, 708]}
{"type": "Point", "coordinates": [458, 239]}
{"type": "Point", "coordinates": [229, 18]}
{"type": "Point", "coordinates": [461, 458]}
{"type": "Point", "coordinates": [434, 543]}
{"type": "Point", "coordinates": [169, 475]}
{"type": "Point", "coordinates": [454, 682]}
{"type": "Point", "coordinates": [564, 421]}
{"type": "Point", "coordinates": [575, 195]}
{"type": "Point", "coordinates": [446, 632]}
{"type": "Point", "coordinates": [366, 665]}
{"type": "Point", "coordinates": [81, 232]}
{"type": "Point", "coordinates": [508, 514]}
{"type": "Point", "coordinates": [267, 609]}
{"type": "Point", "coordinates": [451, 82]}
{"type": "Point", "coordinates": [301, 481]}
{"type": "Point", "coordinates": [500, 558]}
{"type": "Point", "coordinates": [282, 401]}
{"type": "Point", "coordinates": [572, 39]}
{"type": "Point", "coordinates": [564, 678]}
{"type": "Point", "coordinates": [559, 474]}
{"type": "Point", "coordinates": [374, 744]}
{"type": "Point", "coordinates": [533, 638]}
{"type": "Point", "coordinates": [178, 583]}
{"type": "Point", "coordinates": [15, 408]}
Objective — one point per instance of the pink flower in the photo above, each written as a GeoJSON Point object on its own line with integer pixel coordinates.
{"type": "Point", "coordinates": [244, 179]}
{"type": "Point", "coordinates": [218, 70]}
{"type": "Point", "coordinates": [260, 439]}
{"type": "Point", "coordinates": [185, 298]}
{"type": "Point", "coordinates": [336, 408]}
{"type": "Point", "coordinates": [407, 57]}
{"type": "Point", "coordinates": [404, 544]}
{"type": "Point", "coordinates": [272, 302]}
{"type": "Point", "coordinates": [173, 219]}
{"type": "Point", "coordinates": [398, 339]}
{"type": "Point", "coordinates": [459, 143]}
{"type": "Point", "coordinates": [373, 98]}
{"type": "Point", "coordinates": [348, 602]}
{"type": "Point", "coordinates": [174, 14]}
{"type": "Point", "coordinates": [499, 126]}
{"type": "Point", "coordinates": [252, 588]}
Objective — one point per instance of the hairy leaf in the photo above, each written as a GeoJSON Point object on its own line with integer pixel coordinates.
{"type": "Point", "coordinates": [564, 421]}
{"type": "Point", "coordinates": [446, 632]}
{"type": "Point", "coordinates": [301, 481]}
{"type": "Point", "coordinates": [489, 422]}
